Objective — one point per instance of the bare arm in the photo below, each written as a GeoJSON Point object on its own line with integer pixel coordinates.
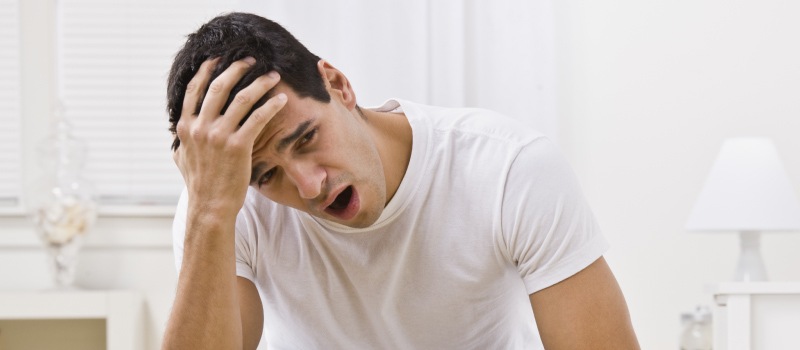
{"type": "Point", "coordinates": [252, 313]}
{"type": "Point", "coordinates": [213, 309]}
{"type": "Point", "coordinates": [585, 311]}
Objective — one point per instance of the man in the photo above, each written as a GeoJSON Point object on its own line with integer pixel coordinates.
{"type": "Point", "coordinates": [330, 226]}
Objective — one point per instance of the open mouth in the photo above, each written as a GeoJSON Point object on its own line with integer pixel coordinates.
{"type": "Point", "coordinates": [342, 200]}
{"type": "Point", "coordinates": [343, 206]}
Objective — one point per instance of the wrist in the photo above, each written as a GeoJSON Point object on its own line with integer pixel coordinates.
{"type": "Point", "coordinates": [208, 229]}
{"type": "Point", "coordinates": [211, 214]}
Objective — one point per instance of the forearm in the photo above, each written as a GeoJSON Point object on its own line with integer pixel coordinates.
{"type": "Point", "coordinates": [205, 313]}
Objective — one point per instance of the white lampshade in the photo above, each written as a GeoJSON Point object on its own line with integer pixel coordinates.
{"type": "Point", "coordinates": [747, 190]}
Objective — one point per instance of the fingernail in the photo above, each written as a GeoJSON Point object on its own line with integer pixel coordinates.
{"type": "Point", "coordinates": [249, 60]}
{"type": "Point", "coordinates": [273, 75]}
{"type": "Point", "coordinates": [281, 97]}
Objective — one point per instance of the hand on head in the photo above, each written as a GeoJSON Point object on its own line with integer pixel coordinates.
{"type": "Point", "coordinates": [215, 153]}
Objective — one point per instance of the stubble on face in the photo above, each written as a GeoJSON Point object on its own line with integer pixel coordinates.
{"type": "Point", "coordinates": [368, 185]}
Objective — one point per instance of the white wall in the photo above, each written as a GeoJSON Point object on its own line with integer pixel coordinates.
{"type": "Point", "coordinates": [647, 92]}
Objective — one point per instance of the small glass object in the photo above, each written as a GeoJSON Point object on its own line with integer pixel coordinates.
{"type": "Point", "coordinates": [63, 207]}
{"type": "Point", "coordinates": [696, 333]}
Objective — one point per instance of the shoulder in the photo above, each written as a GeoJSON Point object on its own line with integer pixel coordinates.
{"type": "Point", "coordinates": [477, 121]}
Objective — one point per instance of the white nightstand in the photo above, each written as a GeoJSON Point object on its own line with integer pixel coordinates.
{"type": "Point", "coordinates": [121, 310]}
{"type": "Point", "coordinates": [756, 315]}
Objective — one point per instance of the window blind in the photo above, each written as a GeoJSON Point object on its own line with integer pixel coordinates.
{"type": "Point", "coordinates": [10, 123]}
{"type": "Point", "coordinates": [114, 57]}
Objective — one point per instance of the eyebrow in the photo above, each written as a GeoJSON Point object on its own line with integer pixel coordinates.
{"type": "Point", "coordinates": [257, 169]}
{"type": "Point", "coordinates": [284, 142]}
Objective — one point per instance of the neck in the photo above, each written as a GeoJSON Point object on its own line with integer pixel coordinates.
{"type": "Point", "coordinates": [392, 135]}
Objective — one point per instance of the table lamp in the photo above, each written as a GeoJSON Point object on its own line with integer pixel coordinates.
{"type": "Point", "coordinates": [747, 191]}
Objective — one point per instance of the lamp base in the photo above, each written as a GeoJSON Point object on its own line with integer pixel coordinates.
{"type": "Point", "coordinates": [750, 267]}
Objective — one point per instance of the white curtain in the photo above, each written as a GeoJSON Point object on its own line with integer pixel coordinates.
{"type": "Point", "coordinates": [10, 126]}
{"type": "Point", "coordinates": [492, 54]}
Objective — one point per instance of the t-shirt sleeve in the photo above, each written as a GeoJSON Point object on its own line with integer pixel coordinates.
{"type": "Point", "coordinates": [548, 230]}
{"type": "Point", "coordinates": [246, 239]}
{"type": "Point", "coordinates": [244, 253]}
{"type": "Point", "coordinates": [179, 228]}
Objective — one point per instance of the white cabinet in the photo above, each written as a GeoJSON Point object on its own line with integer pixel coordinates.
{"type": "Point", "coordinates": [121, 310]}
{"type": "Point", "coordinates": [756, 315]}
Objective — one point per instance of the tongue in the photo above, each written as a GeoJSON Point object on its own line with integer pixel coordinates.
{"type": "Point", "coordinates": [342, 199]}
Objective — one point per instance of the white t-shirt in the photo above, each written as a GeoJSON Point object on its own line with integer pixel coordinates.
{"type": "Point", "coordinates": [487, 213]}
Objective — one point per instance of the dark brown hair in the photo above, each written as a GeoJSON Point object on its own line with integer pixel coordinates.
{"type": "Point", "coordinates": [232, 37]}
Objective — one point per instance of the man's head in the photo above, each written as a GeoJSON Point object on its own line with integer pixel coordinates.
{"type": "Point", "coordinates": [233, 37]}
{"type": "Point", "coordinates": [319, 153]}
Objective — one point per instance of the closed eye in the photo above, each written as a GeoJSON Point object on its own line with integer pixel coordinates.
{"type": "Point", "coordinates": [308, 137]}
{"type": "Point", "coordinates": [264, 179]}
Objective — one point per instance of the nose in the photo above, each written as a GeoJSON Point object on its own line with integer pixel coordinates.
{"type": "Point", "coordinates": [308, 177]}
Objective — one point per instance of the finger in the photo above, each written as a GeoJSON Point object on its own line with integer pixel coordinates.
{"type": "Point", "coordinates": [218, 91]}
{"type": "Point", "coordinates": [258, 120]}
{"type": "Point", "coordinates": [246, 98]}
{"type": "Point", "coordinates": [197, 88]}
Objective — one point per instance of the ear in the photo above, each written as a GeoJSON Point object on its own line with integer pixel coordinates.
{"type": "Point", "coordinates": [337, 84]}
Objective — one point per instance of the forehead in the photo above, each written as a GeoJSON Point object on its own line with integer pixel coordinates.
{"type": "Point", "coordinates": [296, 112]}
{"type": "Point", "coordinates": [289, 114]}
